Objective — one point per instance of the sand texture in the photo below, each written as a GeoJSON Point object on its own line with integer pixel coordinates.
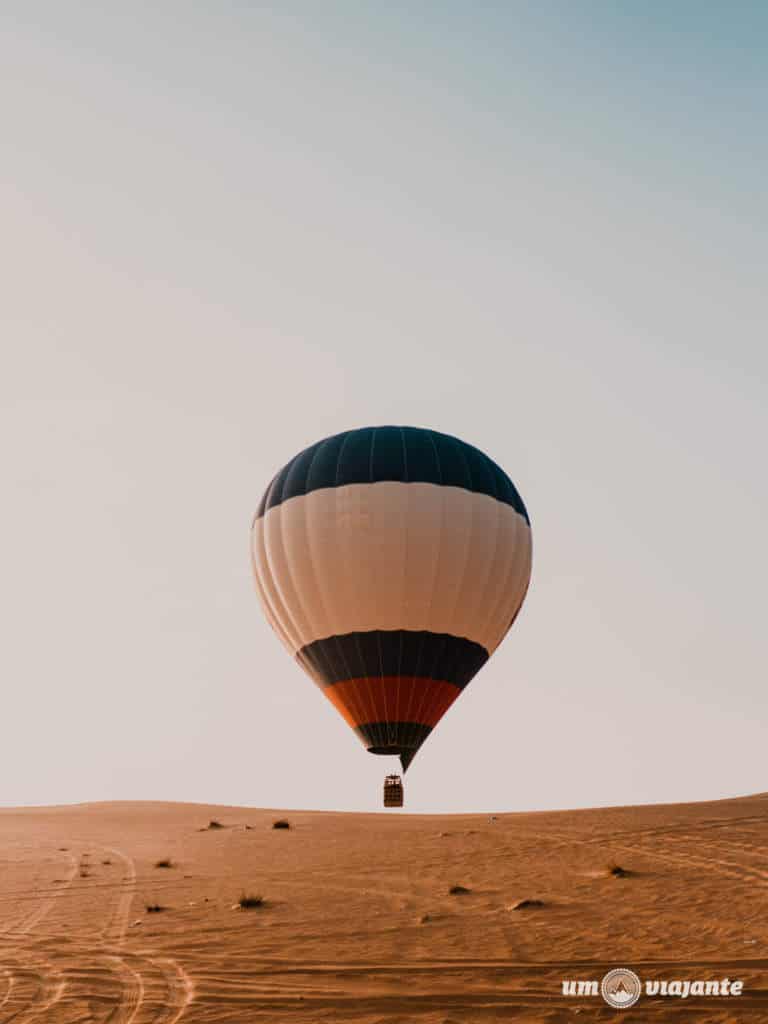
{"type": "Point", "coordinates": [358, 922]}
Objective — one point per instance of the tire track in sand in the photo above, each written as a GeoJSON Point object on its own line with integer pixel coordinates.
{"type": "Point", "coordinates": [35, 985]}
{"type": "Point", "coordinates": [32, 918]}
{"type": "Point", "coordinates": [116, 927]}
{"type": "Point", "coordinates": [10, 981]}
{"type": "Point", "coordinates": [52, 986]}
{"type": "Point", "coordinates": [125, 1011]}
{"type": "Point", "coordinates": [180, 989]}
{"type": "Point", "coordinates": [49, 983]}
{"type": "Point", "coordinates": [724, 868]}
{"type": "Point", "coordinates": [138, 973]}
{"type": "Point", "coordinates": [717, 866]}
{"type": "Point", "coordinates": [38, 991]}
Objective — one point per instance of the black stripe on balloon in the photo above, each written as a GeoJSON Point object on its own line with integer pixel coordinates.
{"type": "Point", "coordinates": [397, 652]}
{"type": "Point", "coordinates": [407, 454]}
{"type": "Point", "coordinates": [393, 737]}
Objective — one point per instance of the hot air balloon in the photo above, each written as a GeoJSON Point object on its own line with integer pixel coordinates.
{"type": "Point", "coordinates": [391, 562]}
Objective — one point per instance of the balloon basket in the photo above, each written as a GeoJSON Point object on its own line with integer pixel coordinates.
{"type": "Point", "coordinates": [393, 791]}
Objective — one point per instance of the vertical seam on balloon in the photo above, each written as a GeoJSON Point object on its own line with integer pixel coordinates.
{"type": "Point", "coordinates": [421, 704]}
{"type": "Point", "coordinates": [328, 667]}
{"type": "Point", "coordinates": [306, 604]}
{"type": "Point", "coordinates": [440, 536]}
{"type": "Point", "coordinates": [520, 541]}
{"type": "Point", "coordinates": [320, 651]}
{"type": "Point", "coordinates": [362, 675]}
{"type": "Point", "coordinates": [440, 700]}
{"type": "Point", "coordinates": [313, 665]}
{"type": "Point", "coordinates": [339, 645]}
{"type": "Point", "coordinates": [483, 591]}
{"type": "Point", "coordinates": [264, 596]}
{"type": "Point", "coordinates": [261, 508]}
{"type": "Point", "coordinates": [519, 607]}
{"type": "Point", "coordinates": [262, 585]}
{"type": "Point", "coordinates": [435, 570]}
{"type": "Point", "coordinates": [523, 545]}
{"type": "Point", "coordinates": [435, 701]}
{"type": "Point", "coordinates": [374, 583]}
{"type": "Point", "coordinates": [518, 579]}
{"type": "Point", "coordinates": [468, 550]}
{"type": "Point", "coordinates": [426, 707]}
{"type": "Point", "coordinates": [468, 553]}
{"type": "Point", "coordinates": [296, 591]}
{"type": "Point", "coordinates": [351, 699]}
{"type": "Point", "coordinates": [478, 611]}
{"type": "Point", "coordinates": [437, 458]}
{"type": "Point", "coordinates": [437, 670]}
{"type": "Point", "coordinates": [527, 549]}
{"type": "Point", "coordinates": [370, 685]}
{"type": "Point", "coordinates": [308, 467]}
{"type": "Point", "coordinates": [287, 620]}
{"type": "Point", "coordinates": [356, 703]}
{"type": "Point", "coordinates": [295, 604]}
{"type": "Point", "coordinates": [405, 571]}
{"type": "Point", "coordinates": [497, 611]}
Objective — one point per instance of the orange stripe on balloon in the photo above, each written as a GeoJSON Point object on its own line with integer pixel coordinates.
{"type": "Point", "coordinates": [390, 698]}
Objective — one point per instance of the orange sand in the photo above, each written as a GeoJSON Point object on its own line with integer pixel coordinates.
{"type": "Point", "coordinates": [358, 924]}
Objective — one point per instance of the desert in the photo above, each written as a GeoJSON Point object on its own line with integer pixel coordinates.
{"type": "Point", "coordinates": [130, 913]}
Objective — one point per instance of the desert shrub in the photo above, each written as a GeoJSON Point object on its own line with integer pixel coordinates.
{"type": "Point", "coordinates": [618, 871]}
{"type": "Point", "coordinates": [527, 904]}
{"type": "Point", "coordinates": [248, 901]}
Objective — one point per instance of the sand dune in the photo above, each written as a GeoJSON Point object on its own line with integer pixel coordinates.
{"type": "Point", "coordinates": [359, 923]}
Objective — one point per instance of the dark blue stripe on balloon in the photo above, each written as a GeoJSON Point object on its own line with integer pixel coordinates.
{"type": "Point", "coordinates": [394, 652]}
{"type": "Point", "coordinates": [406, 454]}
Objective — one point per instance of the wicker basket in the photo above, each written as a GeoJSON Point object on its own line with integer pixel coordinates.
{"type": "Point", "coordinates": [393, 791]}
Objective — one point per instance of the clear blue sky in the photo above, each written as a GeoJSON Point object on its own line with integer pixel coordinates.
{"type": "Point", "coordinates": [229, 231]}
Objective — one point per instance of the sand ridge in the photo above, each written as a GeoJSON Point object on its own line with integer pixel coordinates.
{"type": "Point", "coordinates": [359, 922]}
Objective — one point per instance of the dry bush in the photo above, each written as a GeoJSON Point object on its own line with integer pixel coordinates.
{"type": "Point", "coordinates": [527, 904]}
{"type": "Point", "coordinates": [249, 900]}
{"type": "Point", "coordinates": [617, 870]}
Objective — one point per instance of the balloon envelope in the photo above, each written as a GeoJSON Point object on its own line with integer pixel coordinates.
{"type": "Point", "coordinates": [391, 562]}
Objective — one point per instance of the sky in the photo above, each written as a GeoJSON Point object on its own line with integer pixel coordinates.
{"type": "Point", "coordinates": [230, 230]}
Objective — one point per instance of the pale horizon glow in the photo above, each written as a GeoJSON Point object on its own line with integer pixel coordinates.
{"type": "Point", "coordinates": [229, 232]}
